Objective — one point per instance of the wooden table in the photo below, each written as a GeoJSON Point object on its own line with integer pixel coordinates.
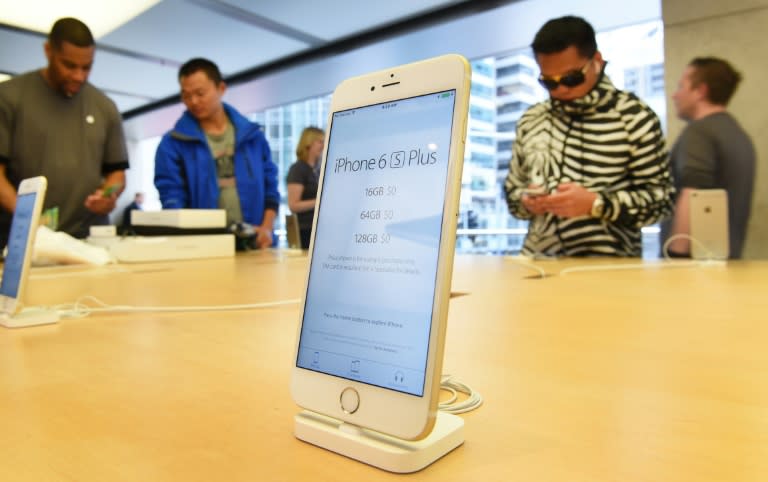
{"type": "Point", "coordinates": [642, 374]}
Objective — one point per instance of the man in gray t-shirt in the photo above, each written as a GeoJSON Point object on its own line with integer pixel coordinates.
{"type": "Point", "coordinates": [55, 124]}
{"type": "Point", "coordinates": [713, 152]}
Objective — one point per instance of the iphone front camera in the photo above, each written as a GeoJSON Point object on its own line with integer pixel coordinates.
{"type": "Point", "coordinates": [373, 87]}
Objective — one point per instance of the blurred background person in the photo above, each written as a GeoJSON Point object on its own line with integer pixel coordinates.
{"type": "Point", "coordinates": [303, 178]}
{"type": "Point", "coordinates": [54, 123]}
{"type": "Point", "coordinates": [138, 200]}
{"type": "Point", "coordinates": [215, 158]}
{"type": "Point", "coordinates": [712, 152]}
{"type": "Point", "coordinates": [589, 167]}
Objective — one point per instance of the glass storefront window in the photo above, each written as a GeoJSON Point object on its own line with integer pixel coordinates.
{"type": "Point", "coordinates": [503, 87]}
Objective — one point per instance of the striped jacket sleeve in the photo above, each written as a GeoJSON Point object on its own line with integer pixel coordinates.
{"type": "Point", "coordinates": [647, 198]}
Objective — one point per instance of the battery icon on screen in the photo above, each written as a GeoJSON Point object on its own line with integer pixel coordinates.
{"type": "Point", "coordinates": [444, 95]}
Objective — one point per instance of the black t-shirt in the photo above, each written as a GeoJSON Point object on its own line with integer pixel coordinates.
{"type": "Point", "coordinates": [302, 173]}
{"type": "Point", "coordinates": [73, 142]}
{"type": "Point", "coordinates": [716, 153]}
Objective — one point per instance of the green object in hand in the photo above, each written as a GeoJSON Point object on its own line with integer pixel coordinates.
{"type": "Point", "coordinates": [50, 218]}
{"type": "Point", "coordinates": [110, 189]}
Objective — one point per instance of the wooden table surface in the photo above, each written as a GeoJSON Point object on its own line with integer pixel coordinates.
{"type": "Point", "coordinates": [608, 371]}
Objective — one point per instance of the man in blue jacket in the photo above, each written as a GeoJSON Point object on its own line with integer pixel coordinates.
{"type": "Point", "coordinates": [215, 158]}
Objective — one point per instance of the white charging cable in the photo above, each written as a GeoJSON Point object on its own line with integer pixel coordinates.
{"type": "Point", "coordinates": [453, 405]}
{"type": "Point", "coordinates": [84, 306]}
{"type": "Point", "coordinates": [665, 248]}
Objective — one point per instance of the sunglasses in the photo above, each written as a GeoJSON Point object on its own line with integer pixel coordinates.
{"type": "Point", "coordinates": [573, 78]}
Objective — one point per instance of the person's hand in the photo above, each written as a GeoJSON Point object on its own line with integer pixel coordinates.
{"type": "Point", "coordinates": [263, 237]}
{"type": "Point", "coordinates": [535, 204]}
{"type": "Point", "coordinates": [569, 201]}
{"type": "Point", "coordinates": [99, 204]}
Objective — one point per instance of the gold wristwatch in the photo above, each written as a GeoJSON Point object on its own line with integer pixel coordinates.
{"type": "Point", "coordinates": [598, 206]}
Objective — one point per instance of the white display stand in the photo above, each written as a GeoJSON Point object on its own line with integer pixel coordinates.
{"type": "Point", "coordinates": [144, 249]}
{"type": "Point", "coordinates": [377, 449]}
{"type": "Point", "coordinates": [29, 317]}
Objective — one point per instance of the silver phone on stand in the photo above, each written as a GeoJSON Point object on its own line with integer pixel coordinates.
{"type": "Point", "coordinates": [370, 343]}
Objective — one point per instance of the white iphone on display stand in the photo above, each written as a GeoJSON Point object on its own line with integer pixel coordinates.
{"type": "Point", "coordinates": [21, 240]}
{"type": "Point", "coordinates": [370, 343]}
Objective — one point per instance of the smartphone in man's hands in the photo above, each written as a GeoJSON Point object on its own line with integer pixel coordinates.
{"type": "Point", "coordinates": [535, 191]}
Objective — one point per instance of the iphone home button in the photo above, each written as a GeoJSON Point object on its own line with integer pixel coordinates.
{"type": "Point", "coordinates": [350, 400]}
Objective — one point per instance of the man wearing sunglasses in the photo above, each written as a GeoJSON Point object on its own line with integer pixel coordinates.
{"type": "Point", "coordinates": [589, 167]}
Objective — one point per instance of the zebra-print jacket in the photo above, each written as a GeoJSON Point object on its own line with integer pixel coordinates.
{"type": "Point", "coordinates": [611, 143]}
